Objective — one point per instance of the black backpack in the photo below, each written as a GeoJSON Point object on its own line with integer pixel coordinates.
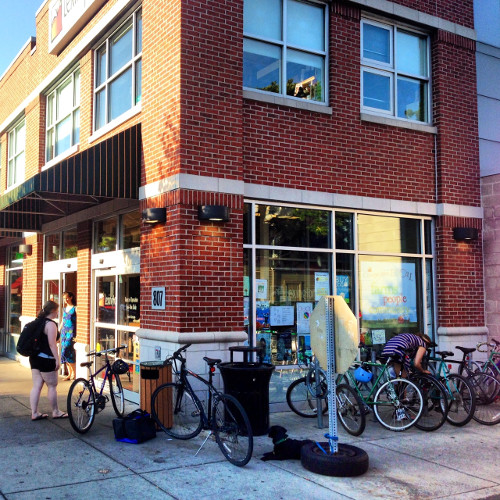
{"type": "Point", "coordinates": [29, 342]}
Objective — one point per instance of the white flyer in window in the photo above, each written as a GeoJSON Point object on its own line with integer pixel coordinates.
{"type": "Point", "coordinates": [261, 289]}
{"type": "Point", "coordinates": [321, 285]}
{"type": "Point", "coordinates": [304, 310]}
{"type": "Point", "coordinates": [378, 336]}
{"type": "Point", "coordinates": [282, 316]}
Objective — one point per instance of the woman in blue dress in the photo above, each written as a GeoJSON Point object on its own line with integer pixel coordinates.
{"type": "Point", "coordinates": [68, 332]}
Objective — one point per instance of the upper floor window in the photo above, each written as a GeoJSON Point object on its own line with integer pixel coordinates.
{"type": "Point", "coordinates": [63, 116]}
{"type": "Point", "coordinates": [118, 70]}
{"type": "Point", "coordinates": [16, 145]}
{"type": "Point", "coordinates": [395, 71]}
{"type": "Point", "coordinates": [285, 47]}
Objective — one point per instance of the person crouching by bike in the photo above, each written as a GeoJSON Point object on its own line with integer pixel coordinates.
{"type": "Point", "coordinates": [405, 347]}
{"type": "Point", "coordinates": [45, 364]}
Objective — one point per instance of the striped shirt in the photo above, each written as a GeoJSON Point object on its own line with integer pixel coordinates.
{"type": "Point", "coordinates": [404, 343]}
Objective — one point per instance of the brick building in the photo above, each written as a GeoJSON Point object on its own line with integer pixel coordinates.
{"type": "Point", "coordinates": [337, 141]}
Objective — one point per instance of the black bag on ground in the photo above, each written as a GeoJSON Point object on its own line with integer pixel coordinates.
{"type": "Point", "coordinates": [30, 338]}
{"type": "Point", "coordinates": [136, 427]}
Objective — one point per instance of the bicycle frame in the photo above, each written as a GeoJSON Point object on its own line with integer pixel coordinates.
{"type": "Point", "coordinates": [381, 378]}
{"type": "Point", "coordinates": [93, 376]}
{"type": "Point", "coordinates": [440, 370]}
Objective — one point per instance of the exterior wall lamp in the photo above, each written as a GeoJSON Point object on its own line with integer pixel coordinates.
{"type": "Point", "coordinates": [25, 249]}
{"type": "Point", "coordinates": [218, 213]}
{"type": "Point", "coordinates": [465, 233]}
{"type": "Point", "coordinates": [154, 215]}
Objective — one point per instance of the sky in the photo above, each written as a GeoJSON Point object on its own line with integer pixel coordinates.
{"type": "Point", "coordinates": [17, 25]}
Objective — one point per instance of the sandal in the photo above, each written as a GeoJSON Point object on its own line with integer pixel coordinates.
{"type": "Point", "coordinates": [62, 415]}
{"type": "Point", "coordinates": [42, 416]}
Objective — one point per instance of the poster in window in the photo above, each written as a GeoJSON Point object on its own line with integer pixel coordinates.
{"type": "Point", "coordinates": [246, 310]}
{"type": "Point", "coordinates": [378, 336]}
{"type": "Point", "coordinates": [282, 316]}
{"type": "Point", "coordinates": [304, 310]}
{"type": "Point", "coordinates": [264, 342]}
{"type": "Point", "coordinates": [262, 311]}
{"type": "Point", "coordinates": [388, 294]}
{"type": "Point", "coordinates": [321, 285]}
{"type": "Point", "coordinates": [343, 287]}
{"type": "Point", "coordinates": [261, 289]}
{"type": "Point", "coordinates": [246, 286]}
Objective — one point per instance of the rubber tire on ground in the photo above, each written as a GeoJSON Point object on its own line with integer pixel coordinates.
{"type": "Point", "coordinates": [358, 407]}
{"type": "Point", "coordinates": [69, 404]}
{"type": "Point", "coordinates": [117, 397]}
{"type": "Point", "coordinates": [349, 461]}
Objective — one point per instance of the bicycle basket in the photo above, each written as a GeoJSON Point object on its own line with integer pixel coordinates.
{"type": "Point", "coordinates": [361, 375]}
{"type": "Point", "coordinates": [119, 367]}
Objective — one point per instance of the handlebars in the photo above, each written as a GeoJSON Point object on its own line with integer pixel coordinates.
{"type": "Point", "coordinates": [100, 353]}
{"type": "Point", "coordinates": [492, 344]}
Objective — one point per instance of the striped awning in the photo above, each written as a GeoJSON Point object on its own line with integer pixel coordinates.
{"type": "Point", "coordinates": [111, 169]}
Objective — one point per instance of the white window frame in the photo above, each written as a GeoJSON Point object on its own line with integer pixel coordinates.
{"type": "Point", "coordinates": [13, 154]}
{"type": "Point", "coordinates": [372, 66]}
{"type": "Point", "coordinates": [284, 46]}
{"type": "Point", "coordinates": [109, 79]}
{"type": "Point", "coordinates": [72, 112]}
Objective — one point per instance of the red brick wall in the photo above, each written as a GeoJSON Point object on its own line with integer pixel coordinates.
{"type": "Point", "coordinates": [32, 277]}
{"type": "Point", "coordinates": [83, 289]}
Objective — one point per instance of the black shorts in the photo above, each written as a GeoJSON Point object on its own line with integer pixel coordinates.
{"type": "Point", "coordinates": [43, 364]}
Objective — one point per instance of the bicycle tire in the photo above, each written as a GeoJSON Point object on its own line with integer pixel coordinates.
{"type": "Point", "coordinates": [435, 408]}
{"type": "Point", "coordinates": [116, 394]}
{"type": "Point", "coordinates": [350, 410]}
{"type": "Point", "coordinates": [232, 429]}
{"type": "Point", "coordinates": [300, 400]}
{"type": "Point", "coordinates": [461, 400]}
{"type": "Point", "coordinates": [398, 404]}
{"type": "Point", "coordinates": [176, 411]}
{"type": "Point", "coordinates": [317, 390]}
{"type": "Point", "coordinates": [81, 405]}
{"type": "Point", "coordinates": [487, 391]}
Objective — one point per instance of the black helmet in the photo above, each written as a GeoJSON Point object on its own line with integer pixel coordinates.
{"type": "Point", "coordinates": [119, 367]}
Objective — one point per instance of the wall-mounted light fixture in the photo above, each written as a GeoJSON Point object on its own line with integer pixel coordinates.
{"type": "Point", "coordinates": [25, 249]}
{"type": "Point", "coordinates": [465, 233]}
{"type": "Point", "coordinates": [154, 215]}
{"type": "Point", "coordinates": [213, 212]}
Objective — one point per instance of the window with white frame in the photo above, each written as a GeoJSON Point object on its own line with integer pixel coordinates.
{"type": "Point", "coordinates": [118, 70]}
{"type": "Point", "coordinates": [63, 116]}
{"type": "Point", "coordinates": [16, 145]}
{"type": "Point", "coordinates": [395, 71]}
{"type": "Point", "coordinates": [285, 47]}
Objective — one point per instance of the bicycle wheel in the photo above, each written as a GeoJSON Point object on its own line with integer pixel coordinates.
{"type": "Point", "coordinates": [116, 394]}
{"type": "Point", "coordinates": [487, 391]}
{"type": "Point", "coordinates": [301, 401]}
{"type": "Point", "coordinates": [232, 430]}
{"type": "Point", "coordinates": [317, 390]}
{"type": "Point", "coordinates": [398, 404]}
{"type": "Point", "coordinates": [350, 410]}
{"type": "Point", "coordinates": [461, 400]}
{"type": "Point", "coordinates": [435, 400]}
{"type": "Point", "coordinates": [81, 405]}
{"type": "Point", "coordinates": [176, 411]}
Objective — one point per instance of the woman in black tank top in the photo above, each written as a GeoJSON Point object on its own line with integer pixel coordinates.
{"type": "Point", "coordinates": [45, 365]}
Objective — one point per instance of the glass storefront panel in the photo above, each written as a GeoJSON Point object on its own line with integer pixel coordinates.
{"type": "Point", "coordinates": [15, 300]}
{"type": "Point", "coordinates": [390, 297]}
{"type": "Point", "coordinates": [344, 278]}
{"type": "Point", "coordinates": [247, 291]}
{"type": "Point", "coordinates": [130, 230]}
{"type": "Point", "coordinates": [288, 283]}
{"type": "Point", "coordinates": [105, 235]}
{"type": "Point", "coordinates": [106, 299]}
{"type": "Point", "coordinates": [105, 339]}
{"type": "Point", "coordinates": [70, 244]}
{"type": "Point", "coordinates": [344, 232]}
{"type": "Point", "coordinates": [388, 234]}
{"type": "Point", "coordinates": [130, 302]}
{"type": "Point", "coordinates": [52, 291]}
{"type": "Point", "coordinates": [52, 247]}
{"type": "Point", "coordinates": [130, 382]}
{"type": "Point", "coordinates": [292, 227]}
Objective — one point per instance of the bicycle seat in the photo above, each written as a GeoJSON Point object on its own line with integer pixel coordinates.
{"type": "Point", "coordinates": [87, 364]}
{"type": "Point", "coordinates": [211, 361]}
{"type": "Point", "coordinates": [444, 354]}
{"type": "Point", "coordinates": [465, 350]}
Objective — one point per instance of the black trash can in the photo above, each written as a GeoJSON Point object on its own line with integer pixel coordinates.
{"type": "Point", "coordinates": [248, 382]}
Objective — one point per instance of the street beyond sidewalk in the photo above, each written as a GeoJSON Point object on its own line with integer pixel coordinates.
{"type": "Point", "coordinates": [48, 460]}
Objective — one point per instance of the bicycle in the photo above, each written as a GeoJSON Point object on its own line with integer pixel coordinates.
{"type": "Point", "coordinates": [460, 393]}
{"type": "Point", "coordinates": [492, 365]}
{"type": "Point", "coordinates": [85, 399]}
{"type": "Point", "coordinates": [486, 389]}
{"type": "Point", "coordinates": [180, 413]}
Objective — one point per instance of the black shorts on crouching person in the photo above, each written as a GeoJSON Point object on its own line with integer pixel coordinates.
{"type": "Point", "coordinates": [42, 364]}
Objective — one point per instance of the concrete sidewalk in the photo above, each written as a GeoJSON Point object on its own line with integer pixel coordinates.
{"type": "Point", "coordinates": [48, 460]}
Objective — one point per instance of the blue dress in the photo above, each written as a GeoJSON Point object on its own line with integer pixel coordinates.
{"type": "Point", "coordinates": [68, 331]}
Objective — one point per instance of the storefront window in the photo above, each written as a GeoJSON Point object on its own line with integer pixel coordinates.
{"type": "Point", "coordinates": [344, 231]}
{"type": "Point", "coordinates": [52, 290]}
{"type": "Point", "coordinates": [106, 299]}
{"type": "Point", "coordinates": [14, 281]}
{"type": "Point", "coordinates": [130, 230]}
{"type": "Point", "coordinates": [70, 244]}
{"type": "Point", "coordinates": [52, 247]}
{"type": "Point", "coordinates": [130, 302]}
{"type": "Point", "coordinates": [247, 291]}
{"type": "Point", "coordinates": [105, 234]}
{"type": "Point", "coordinates": [344, 278]}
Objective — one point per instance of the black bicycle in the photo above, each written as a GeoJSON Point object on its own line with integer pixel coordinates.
{"type": "Point", "coordinates": [179, 411]}
{"type": "Point", "coordinates": [85, 398]}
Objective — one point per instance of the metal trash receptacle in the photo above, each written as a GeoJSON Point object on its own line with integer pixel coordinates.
{"type": "Point", "coordinates": [154, 374]}
{"type": "Point", "coordinates": [248, 382]}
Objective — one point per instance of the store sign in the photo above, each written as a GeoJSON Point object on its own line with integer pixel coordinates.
{"type": "Point", "coordinates": [158, 297]}
{"type": "Point", "coordinates": [67, 18]}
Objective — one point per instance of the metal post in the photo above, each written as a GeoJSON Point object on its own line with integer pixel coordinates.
{"type": "Point", "coordinates": [330, 356]}
{"type": "Point", "coordinates": [319, 401]}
